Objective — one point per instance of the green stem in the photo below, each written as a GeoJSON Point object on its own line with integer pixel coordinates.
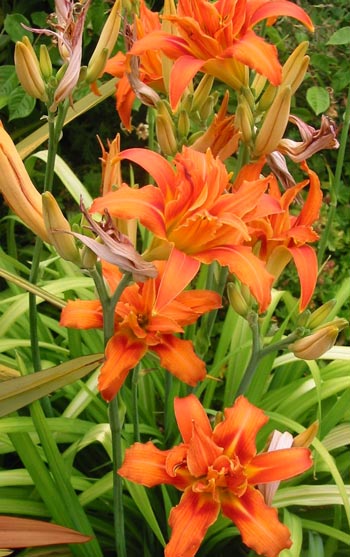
{"type": "Point", "coordinates": [135, 408]}
{"type": "Point", "coordinates": [336, 183]}
{"type": "Point", "coordinates": [259, 352]}
{"type": "Point", "coordinates": [108, 305]}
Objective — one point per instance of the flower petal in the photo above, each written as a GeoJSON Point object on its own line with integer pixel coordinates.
{"type": "Point", "coordinates": [156, 165]}
{"type": "Point", "coordinates": [145, 204]}
{"type": "Point", "coordinates": [122, 354]}
{"type": "Point", "coordinates": [82, 314]}
{"type": "Point", "coordinates": [145, 465]}
{"type": "Point", "coordinates": [188, 410]}
{"type": "Point", "coordinates": [183, 70]}
{"type": "Point", "coordinates": [180, 269]}
{"type": "Point", "coordinates": [278, 465]}
{"type": "Point", "coordinates": [189, 521]}
{"type": "Point", "coordinates": [258, 524]}
{"type": "Point", "coordinates": [237, 433]}
{"type": "Point", "coordinates": [178, 357]}
{"type": "Point", "coordinates": [202, 451]}
{"type": "Point", "coordinates": [277, 8]}
{"type": "Point", "coordinates": [305, 260]}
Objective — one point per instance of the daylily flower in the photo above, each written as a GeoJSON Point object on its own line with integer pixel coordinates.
{"type": "Point", "coordinates": [218, 469]}
{"type": "Point", "coordinates": [149, 66]}
{"type": "Point", "coordinates": [147, 317]}
{"type": "Point", "coordinates": [282, 236]}
{"type": "Point", "coordinates": [191, 211]}
{"type": "Point", "coordinates": [218, 38]}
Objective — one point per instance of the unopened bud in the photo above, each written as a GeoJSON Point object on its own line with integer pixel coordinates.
{"type": "Point", "coordinates": [165, 130]}
{"type": "Point", "coordinates": [320, 315]}
{"type": "Point", "coordinates": [244, 120]}
{"type": "Point", "coordinates": [107, 40]}
{"type": "Point", "coordinates": [293, 71]}
{"type": "Point", "coordinates": [267, 98]}
{"type": "Point", "coordinates": [8, 373]}
{"type": "Point", "coordinates": [274, 124]}
{"type": "Point", "coordinates": [96, 67]}
{"type": "Point", "coordinates": [59, 230]}
{"type": "Point", "coordinates": [316, 344]}
{"type": "Point", "coordinates": [88, 258]}
{"type": "Point", "coordinates": [305, 439]}
{"type": "Point", "coordinates": [28, 70]}
{"type": "Point", "coordinates": [258, 84]}
{"type": "Point", "coordinates": [202, 92]}
{"type": "Point", "coordinates": [45, 61]}
{"type": "Point", "coordinates": [207, 108]}
{"type": "Point", "coordinates": [183, 124]}
{"type": "Point", "coordinates": [237, 300]}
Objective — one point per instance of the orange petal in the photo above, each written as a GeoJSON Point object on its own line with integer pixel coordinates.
{"type": "Point", "coordinates": [122, 354]}
{"type": "Point", "coordinates": [306, 263]}
{"type": "Point", "coordinates": [246, 266]}
{"type": "Point", "coordinates": [237, 433]}
{"type": "Point", "coordinates": [179, 270]}
{"type": "Point", "coordinates": [183, 70]}
{"type": "Point", "coordinates": [256, 53]}
{"type": "Point", "coordinates": [178, 357]}
{"type": "Point", "coordinates": [156, 165]}
{"type": "Point", "coordinates": [82, 314]}
{"type": "Point", "coordinates": [278, 465]}
{"type": "Point", "coordinates": [278, 8]}
{"type": "Point", "coordinates": [258, 524]}
{"type": "Point", "coordinates": [311, 209]}
{"type": "Point", "coordinates": [189, 410]}
{"type": "Point", "coordinates": [145, 204]}
{"type": "Point", "coordinates": [202, 451]}
{"type": "Point", "coordinates": [145, 465]}
{"type": "Point", "coordinates": [189, 521]}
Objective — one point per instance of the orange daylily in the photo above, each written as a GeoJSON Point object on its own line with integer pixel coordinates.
{"type": "Point", "coordinates": [191, 211]}
{"type": "Point", "coordinates": [150, 66]}
{"type": "Point", "coordinates": [282, 236]}
{"type": "Point", "coordinates": [218, 469]}
{"type": "Point", "coordinates": [218, 38]}
{"type": "Point", "coordinates": [147, 317]}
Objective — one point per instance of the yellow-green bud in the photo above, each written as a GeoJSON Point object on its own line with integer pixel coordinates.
{"type": "Point", "coordinates": [274, 124]}
{"type": "Point", "coordinates": [183, 124]}
{"type": "Point", "coordinates": [202, 92]}
{"type": "Point", "coordinates": [305, 438]}
{"type": "Point", "coordinates": [267, 98]}
{"type": "Point", "coordinates": [207, 108]}
{"type": "Point", "coordinates": [96, 67]}
{"type": "Point", "coordinates": [237, 300]}
{"type": "Point", "coordinates": [165, 130]}
{"type": "Point", "coordinates": [58, 229]}
{"type": "Point", "coordinates": [320, 315]}
{"type": "Point", "coordinates": [88, 258]}
{"type": "Point", "coordinates": [28, 70]}
{"type": "Point", "coordinates": [45, 62]}
{"type": "Point", "coordinates": [107, 40]}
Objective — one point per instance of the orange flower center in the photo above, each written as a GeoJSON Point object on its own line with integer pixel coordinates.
{"type": "Point", "coordinates": [225, 473]}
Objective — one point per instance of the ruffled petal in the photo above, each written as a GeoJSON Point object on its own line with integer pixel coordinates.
{"type": "Point", "coordinates": [122, 354]}
{"type": "Point", "coordinates": [189, 410]}
{"type": "Point", "coordinates": [237, 433]}
{"type": "Point", "coordinates": [145, 204]}
{"type": "Point", "coordinates": [189, 521]}
{"type": "Point", "coordinates": [278, 465]}
{"type": "Point", "coordinates": [258, 524]}
{"type": "Point", "coordinates": [145, 465]}
{"type": "Point", "coordinates": [82, 314]}
{"type": "Point", "coordinates": [178, 357]}
{"type": "Point", "coordinates": [202, 452]}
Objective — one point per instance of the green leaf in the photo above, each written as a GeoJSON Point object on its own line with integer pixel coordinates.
{"type": "Point", "coordinates": [318, 99]}
{"type": "Point", "coordinates": [20, 391]}
{"type": "Point", "coordinates": [20, 104]}
{"type": "Point", "coordinates": [342, 36]}
{"type": "Point", "coordinates": [8, 80]}
{"type": "Point", "coordinates": [14, 29]}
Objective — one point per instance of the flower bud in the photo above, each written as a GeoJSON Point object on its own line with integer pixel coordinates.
{"type": "Point", "coordinates": [293, 71]}
{"type": "Point", "coordinates": [274, 124]}
{"type": "Point", "coordinates": [267, 98]}
{"type": "Point", "coordinates": [202, 92]}
{"type": "Point", "coordinates": [316, 344]}
{"type": "Point", "coordinates": [106, 42]}
{"type": "Point", "coordinates": [57, 228]}
{"type": "Point", "coordinates": [244, 120]}
{"type": "Point", "coordinates": [95, 69]}
{"type": "Point", "coordinates": [258, 84]}
{"type": "Point", "coordinates": [207, 108]}
{"type": "Point", "coordinates": [8, 373]}
{"type": "Point", "coordinates": [165, 130]}
{"type": "Point", "coordinates": [320, 315]}
{"type": "Point", "coordinates": [45, 62]}
{"type": "Point", "coordinates": [88, 258]}
{"type": "Point", "coordinates": [28, 70]}
{"type": "Point", "coordinates": [305, 438]}
{"type": "Point", "coordinates": [17, 188]}
{"type": "Point", "coordinates": [240, 298]}
{"type": "Point", "coordinates": [183, 124]}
